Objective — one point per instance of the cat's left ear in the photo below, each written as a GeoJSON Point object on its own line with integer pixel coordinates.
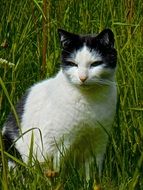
{"type": "Point", "coordinates": [66, 38]}
{"type": "Point", "coordinates": [106, 37]}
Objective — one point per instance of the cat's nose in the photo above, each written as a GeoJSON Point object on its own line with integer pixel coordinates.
{"type": "Point", "coordinates": [83, 78]}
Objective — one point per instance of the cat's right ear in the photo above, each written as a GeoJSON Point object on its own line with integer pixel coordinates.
{"type": "Point", "coordinates": [66, 38]}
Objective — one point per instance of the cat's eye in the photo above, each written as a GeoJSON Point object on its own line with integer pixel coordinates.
{"type": "Point", "coordinates": [71, 64]}
{"type": "Point", "coordinates": [96, 63]}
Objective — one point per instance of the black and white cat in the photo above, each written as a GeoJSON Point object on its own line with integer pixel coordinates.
{"type": "Point", "coordinates": [74, 109]}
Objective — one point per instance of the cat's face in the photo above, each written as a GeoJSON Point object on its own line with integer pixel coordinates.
{"type": "Point", "coordinates": [88, 60]}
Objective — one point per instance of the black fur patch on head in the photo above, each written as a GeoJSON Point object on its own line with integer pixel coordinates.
{"type": "Point", "coordinates": [69, 43]}
{"type": "Point", "coordinates": [102, 43]}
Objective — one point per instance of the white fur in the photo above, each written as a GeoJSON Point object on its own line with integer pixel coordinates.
{"type": "Point", "coordinates": [71, 112]}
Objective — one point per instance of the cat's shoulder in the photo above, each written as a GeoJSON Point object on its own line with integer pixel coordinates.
{"type": "Point", "coordinates": [43, 85]}
{"type": "Point", "coordinates": [45, 88]}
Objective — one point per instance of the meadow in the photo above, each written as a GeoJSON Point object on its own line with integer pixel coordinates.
{"type": "Point", "coordinates": [30, 52]}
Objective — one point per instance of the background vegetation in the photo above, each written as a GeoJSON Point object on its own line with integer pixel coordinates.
{"type": "Point", "coordinates": [29, 52]}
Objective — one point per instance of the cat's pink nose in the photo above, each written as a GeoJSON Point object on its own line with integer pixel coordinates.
{"type": "Point", "coordinates": [83, 78]}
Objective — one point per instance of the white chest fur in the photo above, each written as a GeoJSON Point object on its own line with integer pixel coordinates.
{"type": "Point", "coordinates": [63, 112]}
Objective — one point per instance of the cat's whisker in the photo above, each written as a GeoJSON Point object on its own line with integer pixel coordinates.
{"type": "Point", "coordinates": [105, 82]}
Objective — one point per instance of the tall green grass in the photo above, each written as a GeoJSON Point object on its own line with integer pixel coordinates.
{"type": "Point", "coordinates": [29, 40]}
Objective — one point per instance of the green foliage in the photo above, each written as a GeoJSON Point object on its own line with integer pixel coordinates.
{"type": "Point", "coordinates": [21, 51]}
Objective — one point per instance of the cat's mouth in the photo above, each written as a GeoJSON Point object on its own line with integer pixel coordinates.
{"type": "Point", "coordinates": [85, 85]}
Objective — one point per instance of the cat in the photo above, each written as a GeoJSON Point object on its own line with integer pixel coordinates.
{"type": "Point", "coordinates": [75, 109]}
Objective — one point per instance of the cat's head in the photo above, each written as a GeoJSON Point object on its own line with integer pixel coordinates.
{"type": "Point", "coordinates": [88, 60]}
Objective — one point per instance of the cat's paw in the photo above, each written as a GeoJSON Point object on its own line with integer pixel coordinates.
{"type": "Point", "coordinates": [97, 187]}
{"type": "Point", "coordinates": [51, 173]}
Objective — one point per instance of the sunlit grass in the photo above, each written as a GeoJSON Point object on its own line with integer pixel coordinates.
{"type": "Point", "coordinates": [21, 43]}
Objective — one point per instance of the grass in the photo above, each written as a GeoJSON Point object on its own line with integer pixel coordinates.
{"type": "Point", "coordinates": [23, 34]}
